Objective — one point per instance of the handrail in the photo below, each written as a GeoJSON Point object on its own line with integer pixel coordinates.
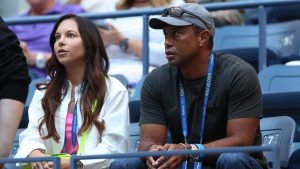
{"type": "Point", "coordinates": [75, 158]}
{"type": "Point", "coordinates": [146, 12]}
{"type": "Point", "coordinates": [139, 12]}
{"type": "Point", "coordinates": [55, 160]}
{"type": "Point", "coordinates": [275, 149]}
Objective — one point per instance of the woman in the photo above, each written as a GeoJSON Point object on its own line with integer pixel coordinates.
{"type": "Point", "coordinates": [80, 100]}
{"type": "Point", "coordinates": [124, 40]}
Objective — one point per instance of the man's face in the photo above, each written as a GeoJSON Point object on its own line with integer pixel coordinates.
{"type": "Point", "coordinates": [181, 44]}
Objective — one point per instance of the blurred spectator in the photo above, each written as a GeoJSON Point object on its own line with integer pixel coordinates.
{"type": "Point", "coordinates": [223, 17]}
{"type": "Point", "coordinates": [124, 41]}
{"type": "Point", "coordinates": [14, 82]}
{"type": "Point", "coordinates": [35, 37]}
{"type": "Point", "coordinates": [95, 6]}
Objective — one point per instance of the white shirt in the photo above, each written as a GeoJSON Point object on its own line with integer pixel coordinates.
{"type": "Point", "coordinates": [114, 112]}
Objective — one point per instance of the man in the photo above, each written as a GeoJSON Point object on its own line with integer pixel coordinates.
{"type": "Point", "coordinates": [205, 99]}
{"type": "Point", "coordinates": [14, 82]}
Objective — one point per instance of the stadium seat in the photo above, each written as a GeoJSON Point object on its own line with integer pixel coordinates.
{"type": "Point", "coordinates": [32, 88]}
{"type": "Point", "coordinates": [274, 14]}
{"type": "Point", "coordinates": [280, 78]}
{"type": "Point", "coordinates": [250, 55]}
{"type": "Point", "coordinates": [136, 92]}
{"type": "Point", "coordinates": [134, 111]}
{"type": "Point", "coordinates": [294, 162]}
{"type": "Point", "coordinates": [278, 131]}
{"type": "Point", "coordinates": [282, 38]}
{"type": "Point", "coordinates": [134, 136]}
{"type": "Point", "coordinates": [283, 103]}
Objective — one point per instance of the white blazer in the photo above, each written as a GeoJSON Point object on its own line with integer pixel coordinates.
{"type": "Point", "coordinates": [114, 112]}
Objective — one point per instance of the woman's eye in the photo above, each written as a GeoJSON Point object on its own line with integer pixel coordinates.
{"type": "Point", "coordinates": [71, 35]}
{"type": "Point", "coordinates": [57, 37]}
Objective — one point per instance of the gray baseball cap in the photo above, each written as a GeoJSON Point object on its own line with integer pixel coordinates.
{"type": "Point", "coordinates": [184, 15]}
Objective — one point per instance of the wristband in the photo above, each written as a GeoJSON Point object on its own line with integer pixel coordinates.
{"type": "Point", "coordinates": [40, 60]}
{"type": "Point", "coordinates": [201, 147]}
{"type": "Point", "coordinates": [124, 44]}
{"type": "Point", "coordinates": [194, 158]}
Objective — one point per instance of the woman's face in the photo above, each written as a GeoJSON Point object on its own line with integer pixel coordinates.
{"type": "Point", "coordinates": [68, 46]}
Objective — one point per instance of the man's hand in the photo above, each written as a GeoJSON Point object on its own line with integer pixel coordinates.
{"type": "Point", "coordinates": [165, 162]}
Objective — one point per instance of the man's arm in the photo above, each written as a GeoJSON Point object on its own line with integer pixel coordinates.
{"type": "Point", "coordinates": [240, 132]}
{"type": "Point", "coordinates": [151, 134]}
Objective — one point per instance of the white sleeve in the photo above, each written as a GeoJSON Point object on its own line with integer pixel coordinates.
{"type": "Point", "coordinates": [30, 138]}
{"type": "Point", "coordinates": [115, 113]}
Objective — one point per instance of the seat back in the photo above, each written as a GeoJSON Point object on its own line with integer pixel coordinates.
{"type": "Point", "coordinates": [282, 38]}
{"type": "Point", "coordinates": [134, 136]}
{"type": "Point", "coordinates": [283, 103]}
{"type": "Point", "coordinates": [250, 55]}
{"type": "Point", "coordinates": [280, 78]}
{"type": "Point", "coordinates": [134, 111]}
{"type": "Point", "coordinates": [32, 88]}
{"type": "Point", "coordinates": [278, 131]}
{"type": "Point", "coordinates": [136, 92]}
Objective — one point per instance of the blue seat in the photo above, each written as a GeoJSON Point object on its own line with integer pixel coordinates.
{"type": "Point", "coordinates": [250, 55]}
{"type": "Point", "coordinates": [134, 136]}
{"type": "Point", "coordinates": [274, 14]}
{"type": "Point", "coordinates": [136, 92]}
{"type": "Point", "coordinates": [282, 38]}
{"type": "Point", "coordinates": [31, 90]}
{"type": "Point", "coordinates": [283, 103]}
{"type": "Point", "coordinates": [294, 162]}
{"type": "Point", "coordinates": [280, 78]}
{"type": "Point", "coordinates": [134, 111]}
{"type": "Point", "coordinates": [278, 131]}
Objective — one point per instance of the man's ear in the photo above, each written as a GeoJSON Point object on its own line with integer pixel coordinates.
{"type": "Point", "coordinates": [203, 37]}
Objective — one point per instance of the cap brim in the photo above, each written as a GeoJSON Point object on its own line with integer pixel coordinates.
{"type": "Point", "coordinates": [160, 22]}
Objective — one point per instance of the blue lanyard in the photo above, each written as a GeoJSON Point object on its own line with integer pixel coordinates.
{"type": "Point", "coordinates": [74, 128]}
{"type": "Point", "coordinates": [205, 100]}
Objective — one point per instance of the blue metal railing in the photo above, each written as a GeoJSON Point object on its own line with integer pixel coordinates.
{"type": "Point", "coordinates": [274, 149]}
{"type": "Point", "coordinates": [55, 160]}
{"type": "Point", "coordinates": [145, 13]}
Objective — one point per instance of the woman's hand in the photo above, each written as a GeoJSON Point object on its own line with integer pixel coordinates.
{"type": "Point", "coordinates": [40, 165]}
{"type": "Point", "coordinates": [64, 163]}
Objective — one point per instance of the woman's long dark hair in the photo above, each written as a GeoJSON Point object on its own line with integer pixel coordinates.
{"type": "Point", "coordinates": [93, 86]}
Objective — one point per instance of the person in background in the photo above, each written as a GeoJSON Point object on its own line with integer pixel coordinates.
{"type": "Point", "coordinates": [14, 81]}
{"type": "Point", "coordinates": [223, 17]}
{"type": "Point", "coordinates": [34, 37]}
{"type": "Point", "coordinates": [205, 99]}
{"type": "Point", "coordinates": [95, 6]}
{"type": "Point", "coordinates": [123, 41]}
{"type": "Point", "coordinates": [81, 110]}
